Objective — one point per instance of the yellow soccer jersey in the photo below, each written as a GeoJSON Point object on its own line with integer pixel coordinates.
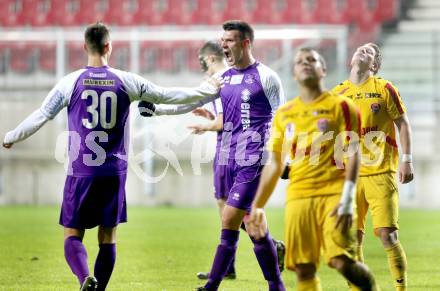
{"type": "Point", "coordinates": [309, 132]}
{"type": "Point", "coordinates": [379, 103]}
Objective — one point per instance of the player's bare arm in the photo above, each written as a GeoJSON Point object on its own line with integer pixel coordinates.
{"type": "Point", "coordinates": [216, 125]}
{"type": "Point", "coordinates": [406, 171]}
{"type": "Point", "coordinates": [269, 178]}
{"type": "Point", "coordinates": [344, 210]}
{"type": "Point", "coordinates": [203, 112]}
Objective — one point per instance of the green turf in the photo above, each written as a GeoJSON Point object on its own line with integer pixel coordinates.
{"type": "Point", "coordinates": [163, 249]}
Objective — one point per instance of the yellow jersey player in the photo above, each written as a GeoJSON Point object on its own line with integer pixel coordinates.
{"type": "Point", "coordinates": [320, 131]}
{"type": "Point", "coordinates": [381, 108]}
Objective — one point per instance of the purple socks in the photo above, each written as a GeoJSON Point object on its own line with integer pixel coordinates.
{"type": "Point", "coordinates": [105, 261]}
{"type": "Point", "coordinates": [76, 257]}
{"type": "Point", "coordinates": [223, 258]}
{"type": "Point", "coordinates": [266, 254]}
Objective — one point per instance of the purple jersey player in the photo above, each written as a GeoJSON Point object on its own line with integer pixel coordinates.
{"type": "Point", "coordinates": [97, 98]}
{"type": "Point", "coordinates": [251, 94]}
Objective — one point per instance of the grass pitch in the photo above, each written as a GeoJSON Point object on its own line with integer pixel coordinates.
{"type": "Point", "coordinates": [163, 248]}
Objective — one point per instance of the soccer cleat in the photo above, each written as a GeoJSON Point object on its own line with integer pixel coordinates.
{"type": "Point", "coordinates": [201, 289]}
{"type": "Point", "coordinates": [205, 276]}
{"type": "Point", "coordinates": [89, 284]}
{"type": "Point", "coordinates": [281, 252]}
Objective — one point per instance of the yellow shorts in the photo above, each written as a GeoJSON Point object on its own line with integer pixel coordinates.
{"type": "Point", "coordinates": [310, 231]}
{"type": "Point", "coordinates": [379, 193]}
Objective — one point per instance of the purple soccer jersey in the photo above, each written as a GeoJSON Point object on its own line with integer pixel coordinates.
{"type": "Point", "coordinates": [97, 118]}
{"type": "Point", "coordinates": [249, 98]}
{"type": "Point", "coordinates": [98, 101]}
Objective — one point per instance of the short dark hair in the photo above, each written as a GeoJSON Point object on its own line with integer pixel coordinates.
{"type": "Point", "coordinates": [320, 58]}
{"type": "Point", "coordinates": [96, 36]}
{"type": "Point", "coordinates": [212, 47]}
{"type": "Point", "coordinates": [244, 28]}
{"type": "Point", "coordinates": [377, 57]}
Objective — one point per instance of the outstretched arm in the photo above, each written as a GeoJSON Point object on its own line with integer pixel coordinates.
{"type": "Point", "coordinates": [216, 125]}
{"type": "Point", "coordinates": [25, 129]}
{"type": "Point", "coordinates": [148, 109]}
{"type": "Point", "coordinates": [55, 101]}
{"type": "Point", "coordinates": [139, 88]}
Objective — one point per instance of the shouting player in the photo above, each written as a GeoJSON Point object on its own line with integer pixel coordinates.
{"type": "Point", "coordinates": [314, 128]}
{"type": "Point", "coordinates": [381, 108]}
{"type": "Point", "coordinates": [251, 94]}
{"type": "Point", "coordinates": [97, 98]}
{"type": "Point", "coordinates": [211, 58]}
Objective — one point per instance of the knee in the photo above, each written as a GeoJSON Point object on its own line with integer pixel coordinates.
{"type": "Point", "coordinates": [107, 235]}
{"type": "Point", "coordinates": [305, 271]}
{"type": "Point", "coordinates": [339, 263]}
{"type": "Point", "coordinates": [388, 236]}
{"type": "Point", "coordinates": [360, 237]}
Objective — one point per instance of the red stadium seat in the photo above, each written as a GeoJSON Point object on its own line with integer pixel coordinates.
{"type": "Point", "coordinates": [182, 12]}
{"type": "Point", "coordinates": [280, 11]}
{"type": "Point", "coordinates": [122, 12]}
{"type": "Point", "coordinates": [165, 57]}
{"type": "Point", "coordinates": [158, 12]}
{"type": "Point", "coordinates": [148, 56]}
{"type": "Point", "coordinates": [120, 55]}
{"type": "Point", "coordinates": [234, 10]}
{"type": "Point", "coordinates": [76, 56]}
{"type": "Point", "coordinates": [65, 12]}
{"type": "Point", "coordinates": [212, 12]}
{"type": "Point", "coordinates": [12, 13]}
{"type": "Point", "coordinates": [47, 57]}
{"type": "Point", "coordinates": [386, 10]}
{"type": "Point", "coordinates": [38, 12]}
{"type": "Point", "coordinates": [91, 11]}
{"type": "Point", "coordinates": [334, 11]}
{"type": "Point", "coordinates": [309, 12]}
{"type": "Point", "coordinates": [23, 58]}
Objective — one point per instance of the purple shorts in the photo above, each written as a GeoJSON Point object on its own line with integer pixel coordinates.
{"type": "Point", "coordinates": [220, 189]}
{"type": "Point", "coordinates": [93, 201]}
{"type": "Point", "coordinates": [241, 183]}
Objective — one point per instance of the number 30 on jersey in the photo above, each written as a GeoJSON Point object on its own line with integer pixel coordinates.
{"type": "Point", "coordinates": [101, 116]}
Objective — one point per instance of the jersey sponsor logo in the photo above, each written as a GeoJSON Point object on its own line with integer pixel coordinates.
{"type": "Point", "coordinates": [320, 112]}
{"type": "Point", "coordinates": [101, 83]}
{"type": "Point", "coordinates": [245, 95]}
{"type": "Point", "coordinates": [323, 124]}
{"type": "Point", "coordinates": [365, 130]}
{"type": "Point", "coordinates": [373, 95]}
{"type": "Point", "coordinates": [249, 79]}
{"type": "Point", "coordinates": [375, 108]}
{"type": "Point", "coordinates": [98, 75]}
{"type": "Point", "coordinates": [236, 79]}
{"type": "Point", "coordinates": [245, 109]}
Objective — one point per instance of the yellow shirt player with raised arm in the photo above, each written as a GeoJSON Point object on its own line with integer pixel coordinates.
{"type": "Point", "coordinates": [381, 108]}
{"type": "Point", "coordinates": [319, 130]}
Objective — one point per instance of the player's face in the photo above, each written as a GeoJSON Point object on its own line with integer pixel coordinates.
{"type": "Point", "coordinates": [364, 56]}
{"type": "Point", "coordinates": [203, 61]}
{"type": "Point", "coordinates": [307, 67]}
{"type": "Point", "coordinates": [233, 47]}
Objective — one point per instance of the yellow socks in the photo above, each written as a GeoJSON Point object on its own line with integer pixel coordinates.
{"type": "Point", "coordinates": [398, 266]}
{"type": "Point", "coordinates": [360, 253]}
{"type": "Point", "coordinates": [309, 285]}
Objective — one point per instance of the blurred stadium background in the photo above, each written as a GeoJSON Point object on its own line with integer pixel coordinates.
{"type": "Point", "coordinates": [41, 40]}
